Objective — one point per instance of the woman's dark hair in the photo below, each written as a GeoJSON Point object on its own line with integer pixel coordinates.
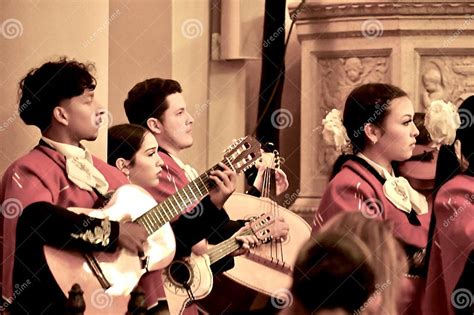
{"type": "Point", "coordinates": [448, 165]}
{"type": "Point", "coordinates": [424, 136]}
{"type": "Point", "coordinates": [147, 100]}
{"type": "Point", "coordinates": [333, 271]}
{"type": "Point", "coordinates": [124, 141]}
{"type": "Point", "coordinates": [43, 88]}
{"type": "Point", "coordinates": [368, 103]}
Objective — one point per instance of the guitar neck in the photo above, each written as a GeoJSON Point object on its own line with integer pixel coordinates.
{"type": "Point", "coordinates": [225, 248]}
{"type": "Point", "coordinates": [174, 205]}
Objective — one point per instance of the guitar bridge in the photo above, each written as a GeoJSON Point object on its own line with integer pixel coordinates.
{"type": "Point", "coordinates": [97, 271]}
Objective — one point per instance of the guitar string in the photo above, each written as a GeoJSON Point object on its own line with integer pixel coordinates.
{"type": "Point", "coordinates": [226, 247]}
{"type": "Point", "coordinates": [201, 189]}
{"type": "Point", "coordinates": [276, 247]}
{"type": "Point", "coordinates": [148, 218]}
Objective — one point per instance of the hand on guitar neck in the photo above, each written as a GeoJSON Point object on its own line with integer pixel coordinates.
{"type": "Point", "coordinates": [225, 180]}
{"type": "Point", "coordinates": [279, 233]}
{"type": "Point", "coordinates": [267, 163]}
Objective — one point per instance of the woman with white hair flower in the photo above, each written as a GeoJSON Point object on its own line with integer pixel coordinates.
{"type": "Point", "coordinates": [378, 123]}
{"type": "Point", "coordinates": [450, 282]}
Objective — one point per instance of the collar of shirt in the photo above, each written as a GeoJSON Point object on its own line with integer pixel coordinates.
{"type": "Point", "coordinates": [189, 171]}
{"type": "Point", "coordinates": [80, 168]}
{"type": "Point", "coordinates": [398, 190]}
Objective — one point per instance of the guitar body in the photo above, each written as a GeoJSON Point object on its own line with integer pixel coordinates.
{"type": "Point", "coordinates": [193, 274]}
{"type": "Point", "coordinates": [191, 278]}
{"type": "Point", "coordinates": [268, 267]}
{"type": "Point", "coordinates": [120, 268]}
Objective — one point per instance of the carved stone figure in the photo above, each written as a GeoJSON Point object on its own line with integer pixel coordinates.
{"type": "Point", "coordinates": [433, 84]}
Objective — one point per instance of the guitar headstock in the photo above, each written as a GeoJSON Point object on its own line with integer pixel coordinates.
{"type": "Point", "coordinates": [243, 153]}
{"type": "Point", "coordinates": [263, 227]}
{"type": "Point", "coordinates": [271, 160]}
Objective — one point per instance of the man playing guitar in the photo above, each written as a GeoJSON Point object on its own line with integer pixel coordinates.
{"type": "Point", "coordinates": [59, 172]}
{"type": "Point", "coordinates": [158, 105]}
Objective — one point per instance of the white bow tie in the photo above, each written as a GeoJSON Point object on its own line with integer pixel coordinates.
{"type": "Point", "coordinates": [399, 191]}
{"type": "Point", "coordinates": [79, 167]}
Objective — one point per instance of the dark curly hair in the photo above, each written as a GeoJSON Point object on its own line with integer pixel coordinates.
{"type": "Point", "coordinates": [147, 100]}
{"type": "Point", "coordinates": [43, 88]}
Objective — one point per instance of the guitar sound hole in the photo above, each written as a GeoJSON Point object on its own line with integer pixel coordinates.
{"type": "Point", "coordinates": [180, 273]}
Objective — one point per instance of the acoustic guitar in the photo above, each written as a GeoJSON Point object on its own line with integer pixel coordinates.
{"type": "Point", "coordinates": [107, 278]}
{"type": "Point", "coordinates": [191, 279]}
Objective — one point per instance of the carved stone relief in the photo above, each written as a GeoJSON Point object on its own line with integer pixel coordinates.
{"type": "Point", "coordinates": [450, 78]}
{"type": "Point", "coordinates": [339, 76]}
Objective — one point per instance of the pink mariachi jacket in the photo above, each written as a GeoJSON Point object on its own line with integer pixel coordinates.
{"type": "Point", "coordinates": [40, 175]}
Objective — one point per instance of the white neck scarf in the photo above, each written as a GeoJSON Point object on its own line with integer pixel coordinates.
{"type": "Point", "coordinates": [398, 190]}
{"type": "Point", "coordinates": [80, 168]}
{"type": "Point", "coordinates": [189, 171]}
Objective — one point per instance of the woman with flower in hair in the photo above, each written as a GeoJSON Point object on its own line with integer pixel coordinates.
{"type": "Point", "coordinates": [379, 130]}
{"type": "Point", "coordinates": [450, 281]}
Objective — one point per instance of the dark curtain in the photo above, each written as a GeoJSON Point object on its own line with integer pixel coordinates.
{"type": "Point", "coordinates": [273, 72]}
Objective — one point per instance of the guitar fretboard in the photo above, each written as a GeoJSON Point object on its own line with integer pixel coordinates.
{"type": "Point", "coordinates": [174, 205]}
{"type": "Point", "coordinates": [225, 248]}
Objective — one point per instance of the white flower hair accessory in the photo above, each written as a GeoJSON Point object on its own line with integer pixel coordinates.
{"type": "Point", "coordinates": [441, 121]}
{"type": "Point", "coordinates": [334, 132]}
